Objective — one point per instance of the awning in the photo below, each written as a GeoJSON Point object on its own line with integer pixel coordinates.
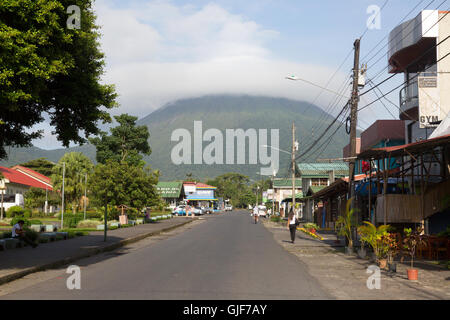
{"type": "Point", "coordinates": [412, 148]}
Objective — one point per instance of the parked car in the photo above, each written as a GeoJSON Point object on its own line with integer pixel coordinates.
{"type": "Point", "coordinates": [228, 207]}
{"type": "Point", "coordinates": [179, 211]}
{"type": "Point", "coordinates": [209, 210]}
{"type": "Point", "coordinates": [262, 210]}
{"type": "Point", "coordinates": [198, 211]}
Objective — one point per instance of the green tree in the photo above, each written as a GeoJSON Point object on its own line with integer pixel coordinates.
{"type": "Point", "coordinates": [77, 166]}
{"type": "Point", "coordinates": [117, 183]}
{"type": "Point", "coordinates": [234, 186]}
{"type": "Point", "coordinates": [48, 69]}
{"type": "Point", "coordinates": [41, 165]}
{"type": "Point", "coordinates": [125, 143]}
{"type": "Point", "coordinates": [35, 198]}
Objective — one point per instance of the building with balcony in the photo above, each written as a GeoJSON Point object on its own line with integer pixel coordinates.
{"type": "Point", "coordinates": [415, 50]}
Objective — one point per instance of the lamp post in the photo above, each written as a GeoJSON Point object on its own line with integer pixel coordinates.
{"type": "Point", "coordinates": [85, 193]}
{"type": "Point", "coordinates": [295, 78]}
{"type": "Point", "coordinates": [62, 204]}
{"type": "Point", "coordinates": [273, 191]}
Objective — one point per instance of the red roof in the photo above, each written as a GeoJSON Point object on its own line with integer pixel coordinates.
{"type": "Point", "coordinates": [33, 173]}
{"type": "Point", "coordinates": [199, 185]}
{"type": "Point", "coordinates": [18, 177]}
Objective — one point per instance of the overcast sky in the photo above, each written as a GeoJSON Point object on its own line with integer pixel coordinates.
{"type": "Point", "coordinates": [161, 51]}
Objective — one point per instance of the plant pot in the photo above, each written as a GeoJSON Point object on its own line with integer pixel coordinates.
{"type": "Point", "coordinates": [382, 263]}
{"type": "Point", "coordinates": [348, 250]}
{"type": "Point", "coordinates": [392, 267]}
{"type": "Point", "coordinates": [362, 253]}
{"type": "Point", "coordinates": [413, 274]}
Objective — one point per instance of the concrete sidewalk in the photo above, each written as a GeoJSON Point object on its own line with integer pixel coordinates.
{"type": "Point", "coordinates": [345, 276]}
{"type": "Point", "coordinates": [18, 263]}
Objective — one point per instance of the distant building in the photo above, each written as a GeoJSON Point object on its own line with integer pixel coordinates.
{"type": "Point", "coordinates": [414, 50]}
{"type": "Point", "coordinates": [282, 188]}
{"type": "Point", "coordinates": [171, 192]}
{"type": "Point", "coordinates": [381, 134]}
{"type": "Point", "coordinates": [200, 195]}
{"type": "Point", "coordinates": [316, 176]}
{"type": "Point", "coordinates": [18, 180]}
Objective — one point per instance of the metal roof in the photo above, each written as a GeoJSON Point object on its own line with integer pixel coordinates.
{"type": "Point", "coordinates": [287, 183]}
{"type": "Point", "coordinates": [169, 189]}
{"type": "Point", "coordinates": [408, 149]}
{"type": "Point", "coordinates": [322, 170]}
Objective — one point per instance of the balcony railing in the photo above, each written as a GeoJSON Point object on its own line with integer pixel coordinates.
{"type": "Point", "coordinates": [409, 96]}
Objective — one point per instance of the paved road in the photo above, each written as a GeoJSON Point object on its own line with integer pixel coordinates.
{"type": "Point", "coordinates": [224, 257]}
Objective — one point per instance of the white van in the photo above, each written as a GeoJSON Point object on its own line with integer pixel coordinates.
{"type": "Point", "coordinates": [262, 211]}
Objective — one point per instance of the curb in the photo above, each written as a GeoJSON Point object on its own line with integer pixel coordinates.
{"type": "Point", "coordinates": [91, 252]}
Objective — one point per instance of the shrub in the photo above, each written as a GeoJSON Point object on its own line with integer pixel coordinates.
{"type": "Point", "coordinates": [275, 218]}
{"type": "Point", "coordinates": [35, 222]}
{"type": "Point", "coordinates": [16, 219]}
{"type": "Point", "coordinates": [32, 235]}
{"type": "Point", "coordinates": [71, 220]}
{"type": "Point", "coordinates": [7, 234]}
{"type": "Point", "coordinates": [311, 225]}
{"type": "Point", "coordinates": [88, 223]}
{"type": "Point", "coordinates": [15, 211]}
{"type": "Point", "coordinates": [27, 213]}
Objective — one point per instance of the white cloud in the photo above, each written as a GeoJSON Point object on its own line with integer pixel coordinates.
{"type": "Point", "coordinates": [160, 52]}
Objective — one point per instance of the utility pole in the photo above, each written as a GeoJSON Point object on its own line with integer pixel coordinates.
{"type": "Point", "coordinates": [62, 206]}
{"type": "Point", "coordinates": [293, 166]}
{"type": "Point", "coordinates": [85, 193]}
{"type": "Point", "coordinates": [354, 119]}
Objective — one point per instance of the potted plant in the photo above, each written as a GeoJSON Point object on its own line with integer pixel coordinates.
{"type": "Point", "coordinates": [362, 250]}
{"type": "Point", "coordinates": [344, 225]}
{"type": "Point", "coordinates": [410, 242]}
{"type": "Point", "coordinates": [376, 238]}
{"type": "Point", "coordinates": [392, 251]}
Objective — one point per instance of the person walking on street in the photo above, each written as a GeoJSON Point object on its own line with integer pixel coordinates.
{"type": "Point", "coordinates": [256, 214]}
{"type": "Point", "coordinates": [292, 224]}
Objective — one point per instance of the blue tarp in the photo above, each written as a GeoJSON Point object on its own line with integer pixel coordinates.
{"type": "Point", "coordinates": [394, 187]}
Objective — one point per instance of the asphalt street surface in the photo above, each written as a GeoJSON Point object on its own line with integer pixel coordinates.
{"type": "Point", "coordinates": [225, 256]}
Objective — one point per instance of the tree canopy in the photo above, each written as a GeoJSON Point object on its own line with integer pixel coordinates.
{"type": "Point", "coordinates": [117, 183]}
{"type": "Point", "coordinates": [49, 70]}
{"type": "Point", "coordinates": [41, 165]}
{"type": "Point", "coordinates": [77, 166]}
{"type": "Point", "coordinates": [234, 186]}
{"type": "Point", "coordinates": [126, 142]}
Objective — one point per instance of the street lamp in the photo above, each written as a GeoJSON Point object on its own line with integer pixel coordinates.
{"type": "Point", "coordinates": [62, 205]}
{"type": "Point", "coordinates": [266, 146]}
{"type": "Point", "coordinates": [295, 78]}
{"type": "Point", "coordinates": [274, 174]}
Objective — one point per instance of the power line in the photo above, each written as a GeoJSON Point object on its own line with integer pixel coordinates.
{"type": "Point", "coordinates": [326, 130]}
{"type": "Point", "coordinates": [387, 109]}
{"type": "Point", "coordinates": [401, 21]}
{"type": "Point", "coordinates": [403, 82]}
{"type": "Point", "coordinates": [404, 36]}
{"type": "Point", "coordinates": [413, 62]}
